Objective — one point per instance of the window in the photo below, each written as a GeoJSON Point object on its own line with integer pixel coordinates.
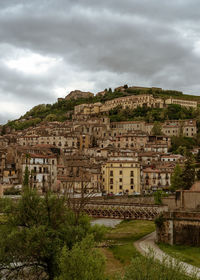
{"type": "Point", "coordinates": [53, 161]}
{"type": "Point", "coordinates": [120, 172]}
{"type": "Point", "coordinates": [111, 187]}
{"type": "Point", "coordinates": [131, 180]}
{"type": "Point", "coordinates": [111, 180]}
{"type": "Point", "coordinates": [120, 187]}
{"type": "Point", "coordinates": [132, 187]}
{"type": "Point", "coordinates": [132, 173]}
{"type": "Point", "coordinates": [111, 172]}
{"type": "Point", "coordinates": [120, 179]}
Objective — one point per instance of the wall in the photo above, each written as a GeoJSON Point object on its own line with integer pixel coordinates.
{"type": "Point", "coordinates": [179, 227]}
{"type": "Point", "coordinates": [183, 200]}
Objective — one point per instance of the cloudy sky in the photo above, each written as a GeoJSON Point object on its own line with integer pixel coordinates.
{"type": "Point", "coordinates": [50, 47]}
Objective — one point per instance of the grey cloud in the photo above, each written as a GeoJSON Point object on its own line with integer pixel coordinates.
{"type": "Point", "coordinates": [107, 43]}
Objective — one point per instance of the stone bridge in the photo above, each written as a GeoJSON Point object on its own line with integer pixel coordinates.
{"type": "Point", "coordinates": [124, 211]}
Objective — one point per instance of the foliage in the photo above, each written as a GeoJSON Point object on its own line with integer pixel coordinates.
{"type": "Point", "coordinates": [198, 175]}
{"type": "Point", "coordinates": [176, 178]}
{"type": "Point", "coordinates": [157, 129]}
{"type": "Point", "coordinates": [148, 268]}
{"type": "Point", "coordinates": [35, 231]}
{"type": "Point", "coordinates": [11, 191]}
{"type": "Point", "coordinates": [159, 220]}
{"type": "Point", "coordinates": [26, 177]}
{"type": "Point", "coordinates": [188, 175]}
{"type": "Point", "coordinates": [58, 111]}
{"type": "Point", "coordinates": [124, 235]}
{"type": "Point", "coordinates": [158, 196]}
{"type": "Point", "coordinates": [188, 254]}
{"type": "Point", "coordinates": [180, 144]}
{"type": "Point", "coordinates": [171, 112]}
{"type": "Point", "coordinates": [81, 262]}
{"type": "Point", "coordinates": [50, 118]}
{"type": "Point", "coordinates": [198, 156]}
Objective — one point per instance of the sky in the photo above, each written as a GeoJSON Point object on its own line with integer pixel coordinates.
{"type": "Point", "coordinates": [51, 47]}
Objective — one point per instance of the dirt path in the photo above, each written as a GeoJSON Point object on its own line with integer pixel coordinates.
{"type": "Point", "coordinates": [113, 265]}
{"type": "Point", "coordinates": [147, 244]}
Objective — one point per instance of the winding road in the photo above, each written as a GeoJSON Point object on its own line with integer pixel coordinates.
{"type": "Point", "coordinates": [147, 244]}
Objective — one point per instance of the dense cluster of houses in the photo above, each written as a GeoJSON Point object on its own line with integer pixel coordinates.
{"type": "Point", "coordinates": [90, 152]}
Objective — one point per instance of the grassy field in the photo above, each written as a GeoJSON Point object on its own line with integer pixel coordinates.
{"type": "Point", "coordinates": [121, 240]}
{"type": "Point", "coordinates": [186, 254]}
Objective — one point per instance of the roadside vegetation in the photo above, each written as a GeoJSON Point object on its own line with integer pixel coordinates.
{"type": "Point", "coordinates": [183, 253]}
{"type": "Point", "coordinates": [121, 249]}
{"type": "Point", "coordinates": [147, 268]}
{"type": "Point", "coordinates": [124, 262]}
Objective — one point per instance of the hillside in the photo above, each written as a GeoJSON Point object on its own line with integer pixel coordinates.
{"type": "Point", "coordinates": [63, 108]}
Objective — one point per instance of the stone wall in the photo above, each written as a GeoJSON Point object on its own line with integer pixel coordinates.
{"type": "Point", "coordinates": [183, 200]}
{"type": "Point", "coordinates": [179, 227]}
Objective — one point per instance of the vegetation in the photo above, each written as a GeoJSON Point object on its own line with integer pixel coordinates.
{"type": "Point", "coordinates": [184, 253]}
{"type": "Point", "coordinates": [172, 112]}
{"type": "Point", "coordinates": [148, 268]}
{"type": "Point", "coordinates": [157, 129]}
{"type": "Point", "coordinates": [121, 249]}
{"type": "Point", "coordinates": [183, 178]}
{"type": "Point", "coordinates": [181, 144]}
{"type": "Point", "coordinates": [188, 175]}
{"type": "Point", "coordinates": [81, 262]}
{"type": "Point", "coordinates": [176, 178]}
{"type": "Point", "coordinates": [12, 191]}
{"type": "Point", "coordinates": [158, 196]}
{"type": "Point", "coordinates": [131, 265]}
{"type": "Point", "coordinates": [62, 109]}
{"type": "Point", "coordinates": [35, 231]}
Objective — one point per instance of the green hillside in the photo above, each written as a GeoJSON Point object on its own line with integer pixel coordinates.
{"type": "Point", "coordinates": [62, 109]}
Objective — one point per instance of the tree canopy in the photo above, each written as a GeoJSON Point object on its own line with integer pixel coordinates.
{"type": "Point", "coordinates": [34, 233]}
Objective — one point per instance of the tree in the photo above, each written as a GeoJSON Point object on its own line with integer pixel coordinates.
{"type": "Point", "coordinates": [176, 178]}
{"type": "Point", "coordinates": [157, 129]}
{"type": "Point", "coordinates": [198, 156]}
{"type": "Point", "coordinates": [50, 118]}
{"type": "Point", "coordinates": [188, 175]}
{"type": "Point", "coordinates": [198, 175]}
{"type": "Point", "coordinates": [82, 262]}
{"type": "Point", "coordinates": [158, 197]}
{"type": "Point", "coordinates": [26, 177]}
{"type": "Point", "coordinates": [34, 233]}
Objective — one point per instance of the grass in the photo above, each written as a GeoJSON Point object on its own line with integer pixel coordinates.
{"type": "Point", "coordinates": [122, 250]}
{"type": "Point", "coordinates": [183, 253]}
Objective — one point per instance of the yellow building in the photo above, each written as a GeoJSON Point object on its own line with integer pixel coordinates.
{"type": "Point", "coordinates": [121, 175]}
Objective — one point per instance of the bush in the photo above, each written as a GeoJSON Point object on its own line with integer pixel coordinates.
{"type": "Point", "coordinates": [148, 268]}
{"type": "Point", "coordinates": [12, 191]}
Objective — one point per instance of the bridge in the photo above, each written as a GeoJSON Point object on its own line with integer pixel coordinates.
{"type": "Point", "coordinates": [124, 211]}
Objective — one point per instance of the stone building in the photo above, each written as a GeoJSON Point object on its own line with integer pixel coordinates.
{"type": "Point", "coordinates": [121, 175]}
{"type": "Point", "coordinates": [169, 128]}
{"type": "Point", "coordinates": [131, 140]}
{"type": "Point", "coordinates": [180, 127]}
{"type": "Point", "coordinates": [157, 177]}
{"type": "Point", "coordinates": [42, 166]}
{"type": "Point", "coordinates": [182, 102]}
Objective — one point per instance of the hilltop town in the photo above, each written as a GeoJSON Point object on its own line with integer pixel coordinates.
{"type": "Point", "coordinates": [100, 143]}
